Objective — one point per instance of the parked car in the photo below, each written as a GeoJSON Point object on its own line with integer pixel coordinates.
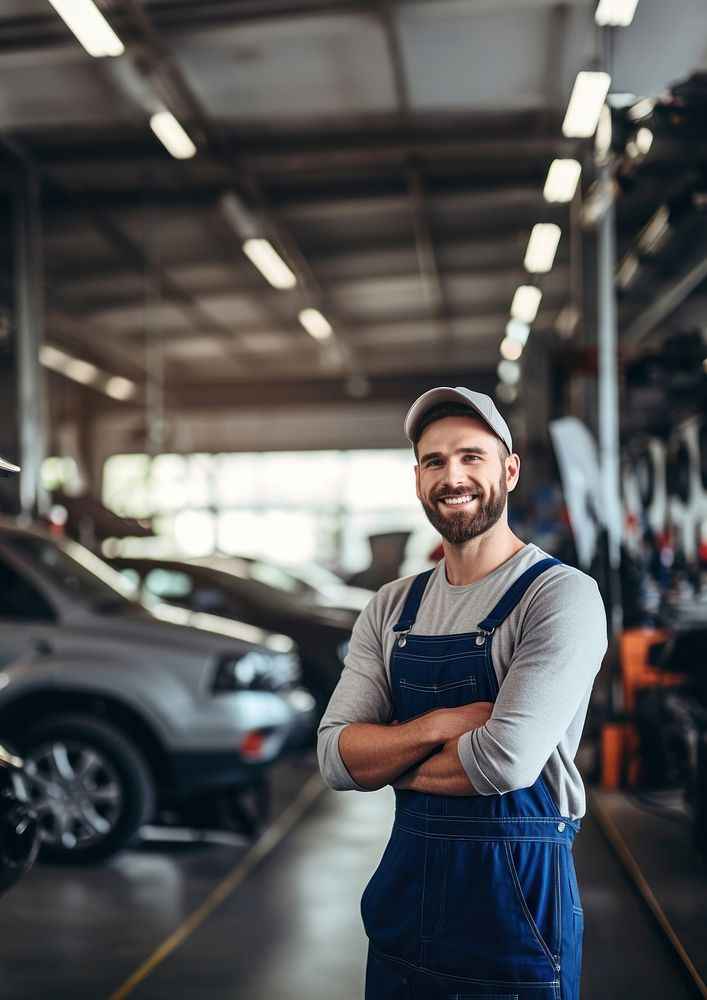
{"type": "Point", "coordinates": [19, 830]}
{"type": "Point", "coordinates": [226, 587]}
{"type": "Point", "coordinates": [312, 585]}
{"type": "Point", "coordinates": [121, 710]}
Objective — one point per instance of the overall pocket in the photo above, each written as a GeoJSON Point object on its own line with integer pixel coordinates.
{"type": "Point", "coordinates": [417, 696]}
{"type": "Point", "coordinates": [486, 920]}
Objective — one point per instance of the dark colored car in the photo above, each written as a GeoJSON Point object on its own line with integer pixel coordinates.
{"type": "Point", "coordinates": [226, 588]}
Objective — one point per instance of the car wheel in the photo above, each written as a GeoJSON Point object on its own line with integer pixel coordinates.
{"type": "Point", "coordinates": [89, 786]}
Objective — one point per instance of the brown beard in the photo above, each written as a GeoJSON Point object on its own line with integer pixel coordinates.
{"type": "Point", "coordinates": [461, 526]}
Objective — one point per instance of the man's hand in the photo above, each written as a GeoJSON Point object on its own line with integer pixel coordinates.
{"type": "Point", "coordinates": [376, 755]}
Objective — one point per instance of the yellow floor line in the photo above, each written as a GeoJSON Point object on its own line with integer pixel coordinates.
{"type": "Point", "coordinates": [262, 847]}
{"type": "Point", "coordinates": [611, 832]}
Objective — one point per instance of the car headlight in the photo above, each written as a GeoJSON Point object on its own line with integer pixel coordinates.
{"type": "Point", "coordinates": [257, 670]}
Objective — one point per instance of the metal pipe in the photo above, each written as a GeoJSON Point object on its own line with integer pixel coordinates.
{"type": "Point", "coordinates": [31, 384]}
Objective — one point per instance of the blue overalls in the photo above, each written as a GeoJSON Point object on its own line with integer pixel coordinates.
{"type": "Point", "coordinates": [475, 896]}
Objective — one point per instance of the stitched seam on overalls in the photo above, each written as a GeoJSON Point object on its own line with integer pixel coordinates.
{"type": "Point", "coordinates": [558, 903]}
{"type": "Point", "coordinates": [480, 837]}
{"type": "Point", "coordinates": [467, 654]}
{"type": "Point", "coordinates": [535, 984]}
{"type": "Point", "coordinates": [440, 915]}
{"type": "Point", "coordinates": [524, 906]}
{"type": "Point", "coordinates": [449, 686]}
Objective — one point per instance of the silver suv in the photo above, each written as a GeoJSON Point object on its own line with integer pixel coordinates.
{"type": "Point", "coordinates": [121, 708]}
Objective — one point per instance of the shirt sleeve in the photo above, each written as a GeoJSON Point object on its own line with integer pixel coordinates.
{"type": "Point", "coordinates": [362, 695]}
{"type": "Point", "coordinates": [558, 654]}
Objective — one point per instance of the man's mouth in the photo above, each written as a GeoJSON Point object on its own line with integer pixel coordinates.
{"type": "Point", "coordinates": [461, 500]}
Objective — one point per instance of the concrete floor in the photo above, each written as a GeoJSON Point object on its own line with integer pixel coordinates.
{"type": "Point", "coordinates": [289, 930]}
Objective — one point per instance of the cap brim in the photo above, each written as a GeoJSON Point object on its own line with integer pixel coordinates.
{"type": "Point", "coordinates": [7, 468]}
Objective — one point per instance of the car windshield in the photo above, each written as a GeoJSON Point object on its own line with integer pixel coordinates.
{"type": "Point", "coordinates": [77, 572]}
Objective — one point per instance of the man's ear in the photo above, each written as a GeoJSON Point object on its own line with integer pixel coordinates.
{"type": "Point", "coordinates": [417, 482]}
{"type": "Point", "coordinates": [512, 471]}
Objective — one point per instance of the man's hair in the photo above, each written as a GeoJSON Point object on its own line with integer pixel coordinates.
{"type": "Point", "coordinates": [443, 410]}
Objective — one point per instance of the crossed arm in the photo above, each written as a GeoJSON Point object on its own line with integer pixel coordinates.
{"type": "Point", "coordinates": [420, 755]}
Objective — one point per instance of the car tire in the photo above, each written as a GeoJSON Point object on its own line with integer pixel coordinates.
{"type": "Point", "coordinates": [89, 785]}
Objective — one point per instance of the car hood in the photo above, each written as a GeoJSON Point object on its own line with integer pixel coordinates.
{"type": "Point", "coordinates": [184, 630]}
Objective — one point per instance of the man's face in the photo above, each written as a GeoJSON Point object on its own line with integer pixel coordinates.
{"type": "Point", "coordinates": [462, 481]}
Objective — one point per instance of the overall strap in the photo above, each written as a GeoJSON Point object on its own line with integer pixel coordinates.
{"type": "Point", "coordinates": [413, 601]}
{"type": "Point", "coordinates": [513, 595]}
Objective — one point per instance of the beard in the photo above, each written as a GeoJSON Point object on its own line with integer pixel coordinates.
{"type": "Point", "coordinates": [460, 526]}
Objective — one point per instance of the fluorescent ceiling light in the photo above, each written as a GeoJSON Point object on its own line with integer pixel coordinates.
{"type": "Point", "coordinates": [562, 178]}
{"type": "Point", "coordinates": [506, 393]}
{"type": "Point", "coordinates": [85, 373]}
{"type": "Point", "coordinates": [542, 247]}
{"type": "Point", "coordinates": [653, 234]}
{"type": "Point", "coordinates": [511, 350]}
{"type": "Point", "coordinates": [81, 371]}
{"type": "Point", "coordinates": [525, 303]}
{"type": "Point", "coordinates": [644, 140]}
{"type": "Point", "coordinates": [90, 27]}
{"type": "Point", "coordinates": [642, 109]}
{"type": "Point", "coordinates": [52, 357]}
{"type": "Point", "coordinates": [509, 372]}
{"type": "Point", "coordinates": [315, 324]}
{"type": "Point", "coordinates": [269, 262]}
{"type": "Point", "coordinates": [517, 330]}
{"type": "Point", "coordinates": [588, 96]}
{"type": "Point", "coordinates": [65, 364]}
{"type": "Point", "coordinates": [615, 13]}
{"type": "Point", "coordinates": [172, 136]}
{"type": "Point", "coordinates": [627, 270]}
{"type": "Point", "coordinates": [120, 388]}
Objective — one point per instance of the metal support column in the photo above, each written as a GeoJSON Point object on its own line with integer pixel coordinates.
{"type": "Point", "coordinates": [608, 388]}
{"type": "Point", "coordinates": [29, 312]}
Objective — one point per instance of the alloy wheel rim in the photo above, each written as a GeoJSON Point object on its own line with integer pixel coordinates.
{"type": "Point", "coordinates": [76, 792]}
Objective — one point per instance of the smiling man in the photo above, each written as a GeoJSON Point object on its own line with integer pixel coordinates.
{"type": "Point", "coordinates": [466, 689]}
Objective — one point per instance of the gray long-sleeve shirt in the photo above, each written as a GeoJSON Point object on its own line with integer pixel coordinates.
{"type": "Point", "coordinates": [546, 655]}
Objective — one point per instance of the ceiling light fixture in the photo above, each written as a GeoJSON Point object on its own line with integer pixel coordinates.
{"type": "Point", "coordinates": [526, 302]}
{"type": "Point", "coordinates": [265, 257]}
{"type": "Point", "coordinates": [511, 350]}
{"type": "Point", "coordinates": [85, 373]}
{"type": "Point", "coordinates": [644, 140]}
{"type": "Point", "coordinates": [562, 178]}
{"type": "Point", "coordinates": [641, 109]}
{"type": "Point", "coordinates": [585, 104]}
{"type": "Point", "coordinates": [627, 270]}
{"type": "Point", "coordinates": [81, 371]}
{"type": "Point", "coordinates": [172, 136]}
{"type": "Point", "coordinates": [506, 393]}
{"type": "Point", "coordinates": [508, 372]}
{"type": "Point", "coordinates": [654, 232]}
{"type": "Point", "coordinates": [542, 247]}
{"type": "Point", "coordinates": [90, 27]}
{"type": "Point", "coordinates": [517, 330]}
{"type": "Point", "coordinates": [120, 388]}
{"type": "Point", "coordinates": [316, 325]}
{"type": "Point", "coordinates": [615, 13]}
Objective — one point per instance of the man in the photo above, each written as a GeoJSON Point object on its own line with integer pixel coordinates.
{"type": "Point", "coordinates": [466, 689]}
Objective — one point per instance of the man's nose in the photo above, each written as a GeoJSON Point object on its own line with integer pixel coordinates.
{"type": "Point", "coordinates": [456, 473]}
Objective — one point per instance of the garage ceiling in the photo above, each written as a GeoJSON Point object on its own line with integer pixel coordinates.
{"type": "Point", "coordinates": [394, 152]}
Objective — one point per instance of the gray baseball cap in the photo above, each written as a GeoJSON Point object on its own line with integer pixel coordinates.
{"type": "Point", "coordinates": [484, 406]}
{"type": "Point", "coordinates": [7, 468]}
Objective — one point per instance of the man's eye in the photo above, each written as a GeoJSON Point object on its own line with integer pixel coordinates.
{"type": "Point", "coordinates": [433, 461]}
